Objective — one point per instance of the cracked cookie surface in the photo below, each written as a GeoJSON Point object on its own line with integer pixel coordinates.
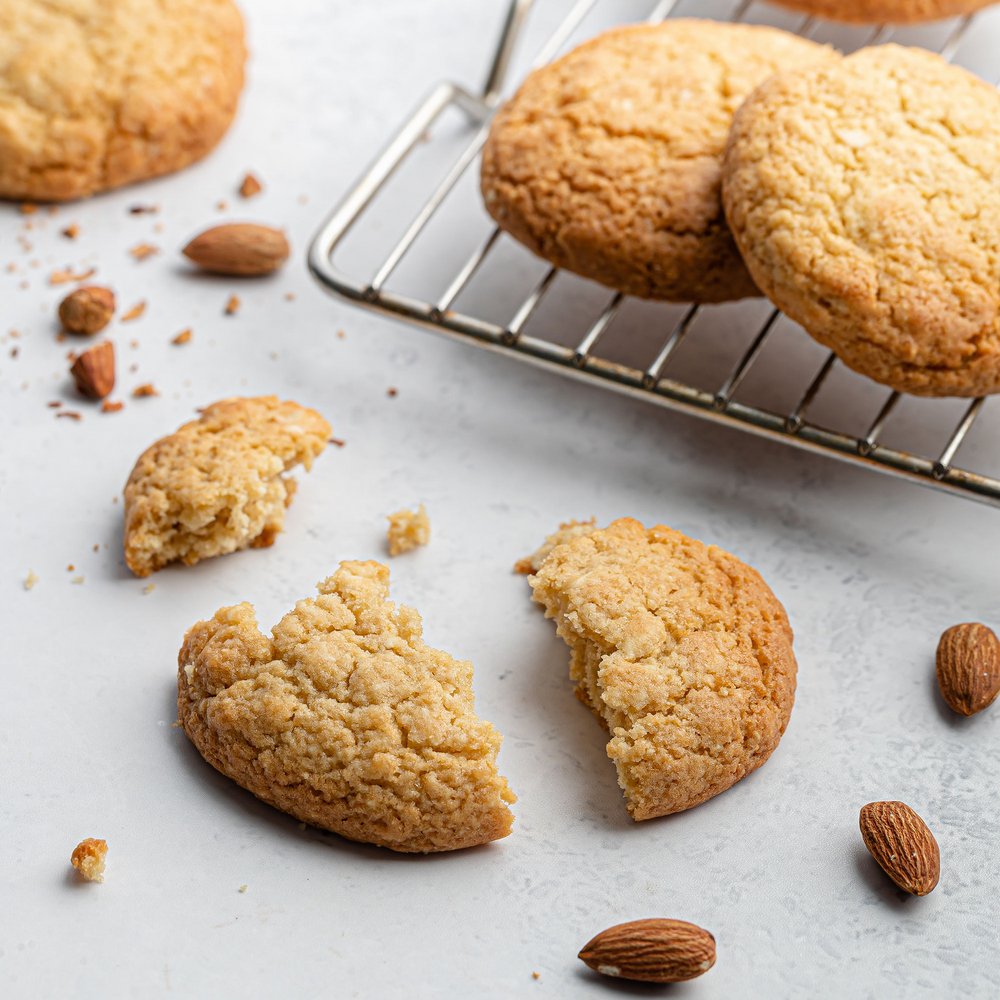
{"type": "Point", "coordinates": [607, 161]}
{"type": "Point", "coordinates": [95, 94]}
{"type": "Point", "coordinates": [865, 197]}
{"type": "Point", "coordinates": [218, 484]}
{"type": "Point", "coordinates": [680, 649]}
{"type": "Point", "coordinates": [878, 11]}
{"type": "Point", "coordinates": [346, 719]}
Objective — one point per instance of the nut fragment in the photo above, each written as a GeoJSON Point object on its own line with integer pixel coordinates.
{"type": "Point", "coordinates": [651, 951]}
{"type": "Point", "coordinates": [94, 370]}
{"type": "Point", "coordinates": [903, 845]}
{"type": "Point", "coordinates": [968, 667]}
{"type": "Point", "coordinates": [250, 186]}
{"type": "Point", "coordinates": [239, 248]}
{"type": "Point", "coordinates": [87, 310]}
{"type": "Point", "coordinates": [88, 859]}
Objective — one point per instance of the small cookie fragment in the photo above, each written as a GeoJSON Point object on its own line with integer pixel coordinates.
{"type": "Point", "coordinates": [407, 530]}
{"type": "Point", "coordinates": [88, 859]}
{"type": "Point", "coordinates": [880, 11]}
{"type": "Point", "coordinates": [681, 651]}
{"type": "Point", "coordinates": [344, 718]}
{"type": "Point", "coordinates": [219, 483]}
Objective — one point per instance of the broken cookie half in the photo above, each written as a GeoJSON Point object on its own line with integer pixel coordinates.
{"type": "Point", "coordinates": [219, 483]}
{"type": "Point", "coordinates": [346, 719]}
{"type": "Point", "coordinates": [680, 649]}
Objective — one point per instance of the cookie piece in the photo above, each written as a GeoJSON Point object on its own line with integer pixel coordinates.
{"type": "Point", "coordinates": [346, 719]}
{"type": "Point", "coordinates": [407, 530]}
{"type": "Point", "coordinates": [218, 484]}
{"type": "Point", "coordinates": [881, 11]}
{"type": "Point", "coordinates": [679, 649]}
{"type": "Point", "coordinates": [865, 197]}
{"type": "Point", "coordinates": [88, 858]}
{"type": "Point", "coordinates": [607, 161]}
{"type": "Point", "coordinates": [95, 94]}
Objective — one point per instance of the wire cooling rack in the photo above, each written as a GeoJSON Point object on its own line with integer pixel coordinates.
{"type": "Point", "coordinates": [577, 347]}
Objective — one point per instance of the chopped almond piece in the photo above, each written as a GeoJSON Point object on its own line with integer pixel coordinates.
{"type": "Point", "coordinates": [250, 186]}
{"type": "Point", "coordinates": [146, 389]}
{"type": "Point", "coordinates": [232, 305]}
{"type": "Point", "coordinates": [111, 407]}
{"type": "Point", "coordinates": [134, 313]}
{"type": "Point", "coordinates": [143, 250]}
{"type": "Point", "coordinates": [183, 337]}
{"type": "Point", "coordinates": [68, 276]}
{"type": "Point", "coordinates": [71, 231]}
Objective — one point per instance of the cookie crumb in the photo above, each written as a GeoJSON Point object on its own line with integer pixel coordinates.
{"type": "Point", "coordinates": [149, 588]}
{"type": "Point", "coordinates": [134, 313]}
{"type": "Point", "coordinates": [78, 580]}
{"type": "Point", "coordinates": [70, 414]}
{"type": "Point", "coordinates": [339, 442]}
{"type": "Point", "coordinates": [27, 208]}
{"type": "Point", "coordinates": [71, 231]}
{"type": "Point", "coordinates": [143, 209]}
{"type": "Point", "coordinates": [407, 530]}
{"type": "Point", "coordinates": [250, 186]}
{"type": "Point", "coordinates": [289, 296]}
{"type": "Point", "coordinates": [536, 975]}
{"type": "Point", "coordinates": [88, 859]}
{"type": "Point", "coordinates": [181, 338]}
{"type": "Point", "coordinates": [143, 250]}
{"type": "Point", "coordinates": [30, 580]}
{"type": "Point", "coordinates": [341, 335]}
{"type": "Point", "coordinates": [54, 404]}
{"type": "Point", "coordinates": [244, 887]}
{"type": "Point", "coordinates": [232, 305]}
{"type": "Point", "coordinates": [392, 392]}
{"type": "Point", "coordinates": [109, 406]}
{"type": "Point", "coordinates": [146, 389]}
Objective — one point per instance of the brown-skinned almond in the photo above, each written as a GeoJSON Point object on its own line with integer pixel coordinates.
{"type": "Point", "coordinates": [87, 310]}
{"type": "Point", "coordinates": [968, 667]}
{"type": "Point", "coordinates": [651, 951]}
{"type": "Point", "coordinates": [903, 845]}
{"type": "Point", "coordinates": [94, 370]}
{"type": "Point", "coordinates": [239, 248]}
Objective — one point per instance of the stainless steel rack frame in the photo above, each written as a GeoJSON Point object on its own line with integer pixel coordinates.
{"type": "Point", "coordinates": [583, 361]}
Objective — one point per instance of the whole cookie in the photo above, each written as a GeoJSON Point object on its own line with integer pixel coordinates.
{"type": "Point", "coordinates": [345, 718]}
{"type": "Point", "coordinates": [865, 197]}
{"type": "Point", "coordinates": [99, 93]}
{"type": "Point", "coordinates": [607, 161]}
{"type": "Point", "coordinates": [878, 11]}
{"type": "Point", "coordinates": [681, 651]}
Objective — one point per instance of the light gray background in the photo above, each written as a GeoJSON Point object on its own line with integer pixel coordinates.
{"type": "Point", "coordinates": [871, 571]}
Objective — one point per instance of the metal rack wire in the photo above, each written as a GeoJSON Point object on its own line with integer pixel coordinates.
{"type": "Point", "coordinates": [583, 360]}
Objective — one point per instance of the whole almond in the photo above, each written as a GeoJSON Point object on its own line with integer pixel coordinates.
{"type": "Point", "coordinates": [94, 370]}
{"type": "Point", "coordinates": [968, 667]}
{"type": "Point", "coordinates": [239, 248]}
{"type": "Point", "coordinates": [87, 310]}
{"type": "Point", "coordinates": [651, 951]}
{"type": "Point", "coordinates": [901, 842]}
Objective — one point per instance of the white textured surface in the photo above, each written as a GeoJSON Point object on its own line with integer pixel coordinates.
{"type": "Point", "coordinates": [871, 571]}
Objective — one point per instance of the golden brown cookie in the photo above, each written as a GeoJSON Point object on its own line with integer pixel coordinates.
{"type": "Point", "coordinates": [99, 93]}
{"type": "Point", "coordinates": [865, 197]}
{"type": "Point", "coordinates": [607, 161]}
{"type": "Point", "coordinates": [679, 649]}
{"type": "Point", "coordinates": [218, 484]}
{"type": "Point", "coordinates": [346, 719]}
{"type": "Point", "coordinates": [880, 11]}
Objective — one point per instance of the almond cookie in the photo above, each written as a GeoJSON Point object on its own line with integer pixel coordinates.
{"type": "Point", "coordinates": [865, 197]}
{"type": "Point", "coordinates": [346, 719]}
{"type": "Point", "coordinates": [680, 650]}
{"type": "Point", "coordinates": [99, 93]}
{"type": "Point", "coordinates": [607, 161]}
{"type": "Point", "coordinates": [879, 11]}
{"type": "Point", "coordinates": [218, 484]}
